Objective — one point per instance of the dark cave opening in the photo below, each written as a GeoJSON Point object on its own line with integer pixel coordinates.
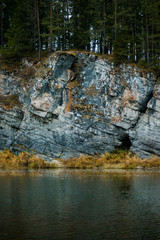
{"type": "Point", "coordinates": [126, 143]}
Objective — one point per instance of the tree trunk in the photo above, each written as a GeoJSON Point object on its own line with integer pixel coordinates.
{"type": "Point", "coordinates": [152, 39]}
{"type": "Point", "coordinates": [147, 41]}
{"type": "Point", "coordinates": [104, 26]}
{"type": "Point", "coordinates": [2, 17]}
{"type": "Point", "coordinates": [64, 28]}
{"type": "Point", "coordinates": [39, 33]}
{"type": "Point", "coordinates": [51, 28]}
{"type": "Point", "coordinates": [68, 43]}
{"type": "Point", "coordinates": [101, 44]}
{"type": "Point", "coordinates": [115, 19]}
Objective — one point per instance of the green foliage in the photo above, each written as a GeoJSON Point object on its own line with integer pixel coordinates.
{"type": "Point", "coordinates": [119, 51]}
{"type": "Point", "coordinates": [17, 35]}
{"type": "Point", "coordinates": [128, 29]}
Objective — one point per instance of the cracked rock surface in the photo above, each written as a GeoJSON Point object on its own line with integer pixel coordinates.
{"type": "Point", "coordinates": [76, 103]}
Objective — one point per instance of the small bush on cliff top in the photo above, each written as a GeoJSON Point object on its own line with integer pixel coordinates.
{"type": "Point", "coordinates": [24, 160]}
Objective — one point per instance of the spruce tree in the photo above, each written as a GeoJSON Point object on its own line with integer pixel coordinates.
{"type": "Point", "coordinates": [16, 35]}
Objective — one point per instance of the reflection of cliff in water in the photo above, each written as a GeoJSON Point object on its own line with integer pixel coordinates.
{"type": "Point", "coordinates": [59, 204]}
{"type": "Point", "coordinates": [123, 183]}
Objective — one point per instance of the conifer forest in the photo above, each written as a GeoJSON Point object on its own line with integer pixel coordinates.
{"type": "Point", "coordinates": [125, 29]}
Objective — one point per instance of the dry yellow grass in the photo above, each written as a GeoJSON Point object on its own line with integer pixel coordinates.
{"type": "Point", "coordinates": [119, 159]}
{"type": "Point", "coordinates": [24, 160]}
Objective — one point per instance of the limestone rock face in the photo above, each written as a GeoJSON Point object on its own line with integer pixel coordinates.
{"type": "Point", "coordinates": [10, 121]}
{"type": "Point", "coordinates": [77, 104]}
{"type": "Point", "coordinates": [146, 134]}
{"type": "Point", "coordinates": [42, 104]}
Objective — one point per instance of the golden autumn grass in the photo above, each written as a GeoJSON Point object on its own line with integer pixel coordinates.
{"type": "Point", "coordinates": [117, 160]}
{"type": "Point", "coordinates": [25, 160]}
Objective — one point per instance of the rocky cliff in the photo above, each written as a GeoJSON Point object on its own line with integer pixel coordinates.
{"type": "Point", "coordinates": [75, 103]}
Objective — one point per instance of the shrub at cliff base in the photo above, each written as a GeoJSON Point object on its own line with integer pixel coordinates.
{"type": "Point", "coordinates": [24, 160]}
{"type": "Point", "coordinates": [117, 159]}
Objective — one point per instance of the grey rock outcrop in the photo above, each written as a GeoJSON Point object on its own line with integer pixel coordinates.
{"type": "Point", "coordinates": [75, 103]}
{"type": "Point", "coordinates": [146, 134]}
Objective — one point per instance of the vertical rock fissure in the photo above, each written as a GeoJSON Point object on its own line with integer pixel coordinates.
{"type": "Point", "coordinates": [18, 128]}
{"type": "Point", "coordinates": [143, 110]}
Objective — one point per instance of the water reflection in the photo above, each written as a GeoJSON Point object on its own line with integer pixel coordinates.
{"type": "Point", "coordinates": [63, 204]}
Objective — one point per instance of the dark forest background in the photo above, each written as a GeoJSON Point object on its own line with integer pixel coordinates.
{"type": "Point", "coordinates": [127, 29]}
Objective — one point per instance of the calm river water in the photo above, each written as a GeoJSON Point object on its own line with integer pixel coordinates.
{"type": "Point", "coordinates": [79, 205]}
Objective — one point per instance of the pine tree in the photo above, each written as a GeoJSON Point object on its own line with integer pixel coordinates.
{"type": "Point", "coordinates": [130, 29]}
{"type": "Point", "coordinates": [2, 6]}
{"type": "Point", "coordinates": [16, 36]}
{"type": "Point", "coordinates": [81, 24]}
{"type": "Point", "coordinates": [38, 28]}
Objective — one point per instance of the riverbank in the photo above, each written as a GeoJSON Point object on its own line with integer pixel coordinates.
{"type": "Point", "coordinates": [117, 160]}
{"type": "Point", "coordinates": [24, 160]}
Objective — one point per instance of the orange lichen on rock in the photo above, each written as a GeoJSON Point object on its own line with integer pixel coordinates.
{"type": "Point", "coordinates": [91, 91]}
{"type": "Point", "coordinates": [129, 97]}
{"type": "Point", "coordinates": [116, 119]}
{"type": "Point", "coordinates": [70, 99]}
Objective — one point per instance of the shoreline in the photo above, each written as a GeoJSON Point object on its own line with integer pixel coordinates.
{"type": "Point", "coordinates": [119, 159]}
